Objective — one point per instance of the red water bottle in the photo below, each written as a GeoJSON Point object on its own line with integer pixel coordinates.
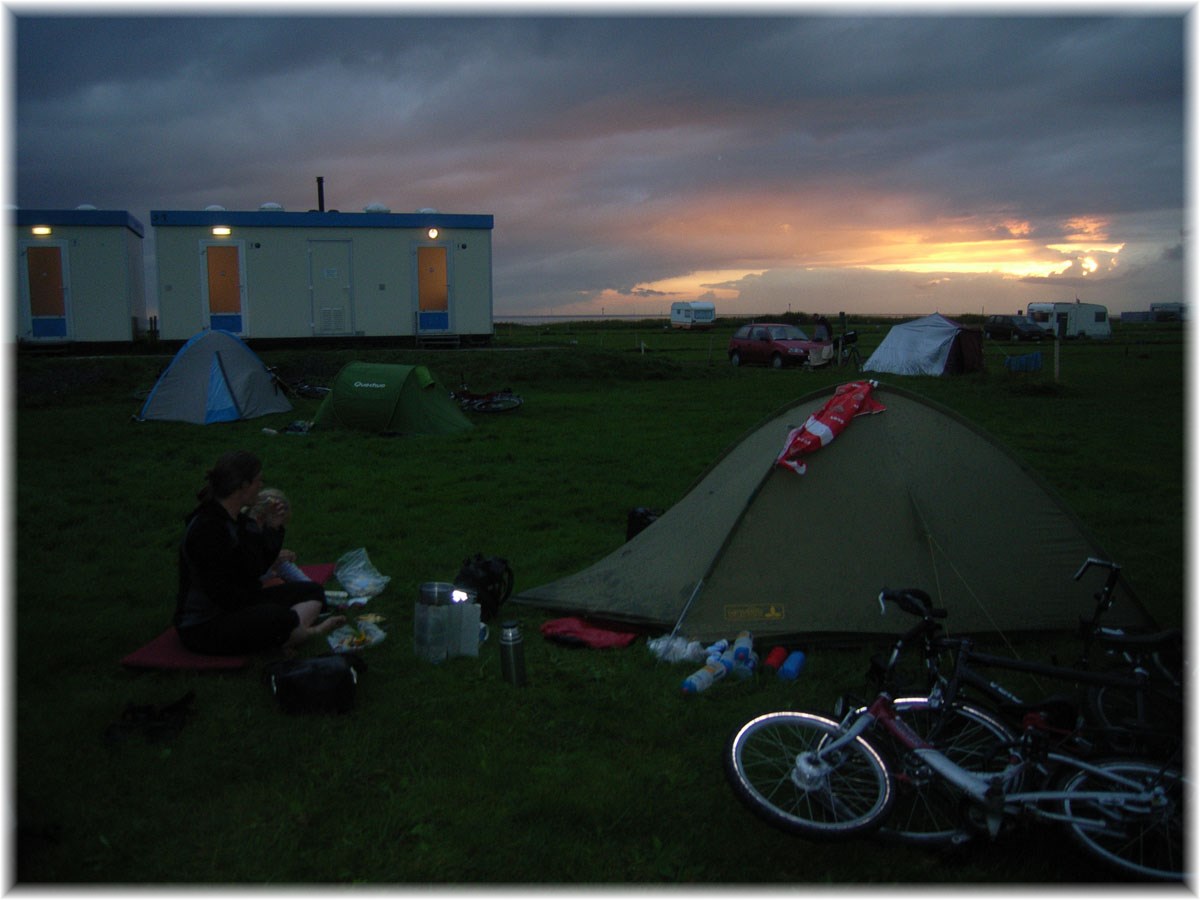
{"type": "Point", "coordinates": [775, 658]}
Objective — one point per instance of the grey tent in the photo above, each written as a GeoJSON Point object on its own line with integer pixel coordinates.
{"type": "Point", "coordinates": [930, 345]}
{"type": "Point", "coordinates": [914, 496]}
{"type": "Point", "coordinates": [214, 377]}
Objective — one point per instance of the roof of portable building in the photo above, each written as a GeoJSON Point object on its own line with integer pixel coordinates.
{"type": "Point", "coordinates": [117, 217]}
{"type": "Point", "coordinates": [316, 219]}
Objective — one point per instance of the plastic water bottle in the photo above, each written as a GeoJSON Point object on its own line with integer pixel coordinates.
{"type": "Point", "coordinates": [739, 669]}
{"type": "Point", "coordinates": [743, 646]}
{"type": "Point", "coordinates": [792, 666]}
{"type": "Point", "coordinates": [715, 650]}
{"type": "Point", "coordinates": [512, 653]}
{"type": "Point", "coordinates": [703, 679]}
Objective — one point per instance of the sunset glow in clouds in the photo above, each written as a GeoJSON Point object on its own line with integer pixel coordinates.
{"type": "Point", "coordinates": [813, 163]}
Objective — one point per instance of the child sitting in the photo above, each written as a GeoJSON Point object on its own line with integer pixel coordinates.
{"type": "Point", "coordinates": [273, 503]}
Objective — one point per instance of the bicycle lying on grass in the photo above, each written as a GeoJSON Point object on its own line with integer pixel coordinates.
{"type": "Point", "coordinates": [496, 401]}
{"type": "Point", "coordinates": [933, 771]}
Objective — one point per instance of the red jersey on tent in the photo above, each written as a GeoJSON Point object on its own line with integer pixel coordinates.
{"type": "Point", "coordinates": [848, 401]}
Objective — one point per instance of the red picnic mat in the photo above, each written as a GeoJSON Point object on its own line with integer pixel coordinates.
{"type": "Point", "coordinates": [167, 651]}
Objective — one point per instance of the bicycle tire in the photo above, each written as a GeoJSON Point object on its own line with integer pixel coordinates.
{"type": "Point", "coordinates": [503, 403]}
{"type": "Point", "coordinates": [846, 794]}
{"type": "Point", "coordinates": [1144, 841]}
{"type": "Point", "coordinates": [928, 812]}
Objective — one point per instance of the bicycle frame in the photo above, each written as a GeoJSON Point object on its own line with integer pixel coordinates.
{"type": "Point", "coordinates": [990, 793]}
{"type": "Point", "coordinates": [967, 660]}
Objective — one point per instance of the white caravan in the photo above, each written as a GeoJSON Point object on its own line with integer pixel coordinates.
{"type": "Point", "coordinates": [1068, 320]}
{"type": "Point", "coordinates": [693, 314]}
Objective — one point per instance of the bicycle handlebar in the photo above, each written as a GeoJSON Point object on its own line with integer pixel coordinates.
{"type": "Point", "coordinates": [1094, 561]}
{"type": "Point", "coordinates": [911, 600]}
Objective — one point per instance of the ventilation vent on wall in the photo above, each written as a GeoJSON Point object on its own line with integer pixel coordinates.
{"type": "Point", "coordinates": [333, 320]}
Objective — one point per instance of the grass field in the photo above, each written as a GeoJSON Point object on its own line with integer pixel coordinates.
{"type": "Point", "coordinates": [598, 771]}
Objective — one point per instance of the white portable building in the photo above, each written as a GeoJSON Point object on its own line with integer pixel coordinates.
{"type": "Point", "coordinates": [269, 273]}
{"type": "Point", "coordinates": [79, 276]}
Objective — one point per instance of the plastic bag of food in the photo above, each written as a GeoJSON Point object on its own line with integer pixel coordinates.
{"type": "Point", "coordinates": [356, 574]}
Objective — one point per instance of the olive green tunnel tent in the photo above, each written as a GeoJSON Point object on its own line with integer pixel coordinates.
{"type": "Point", "coordinates": [389, 399]}
{"type": "Point", "coordinates": [912, 497]}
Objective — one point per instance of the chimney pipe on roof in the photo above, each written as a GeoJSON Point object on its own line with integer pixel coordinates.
{"type": "Point", "coordinates": [320, 194]}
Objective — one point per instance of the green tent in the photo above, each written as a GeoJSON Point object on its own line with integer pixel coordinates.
{"type": "Point", "coordinates": [390, 399]}
{"type": "Point", "coordinates": [914, 496]}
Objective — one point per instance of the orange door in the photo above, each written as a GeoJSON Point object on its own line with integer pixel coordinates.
{"type": "Point", "coordinates": [224, 288]}
{"type": "Point", "coordinates": [433, 289]}
{"type": "Point", "coordinates": [47, 294]}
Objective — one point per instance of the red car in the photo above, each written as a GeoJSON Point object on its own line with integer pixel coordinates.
{"type": "Point", "coordinates": [772, 344]}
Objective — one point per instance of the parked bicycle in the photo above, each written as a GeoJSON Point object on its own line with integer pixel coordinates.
{"type": "Point", "coordinates": [495, 401]}
{"type": "Point", "coordinates": [846, 350]}
{"type": "Point", "coordinates": [934, 771]}
{"type": "Point", "coordinates": [1135, 705]}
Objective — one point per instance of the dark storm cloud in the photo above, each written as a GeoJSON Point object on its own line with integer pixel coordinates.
{"type": "Point", "coordinates": [594, 139]}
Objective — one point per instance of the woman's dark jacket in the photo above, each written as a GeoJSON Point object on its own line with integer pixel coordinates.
{"type": "Point", "coordinates": [221, 563]}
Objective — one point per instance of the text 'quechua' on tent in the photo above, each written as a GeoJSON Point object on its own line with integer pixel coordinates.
{"type": "Point", "coordinates": [912, 496]}
{"type": "Point", "coordinates": [214, 377]}
{"type": "Point", "coordinates": [931, 345]}
{"type": "Point", "coordinates": [390, 399]}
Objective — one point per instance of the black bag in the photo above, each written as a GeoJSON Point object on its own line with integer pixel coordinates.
{"type": "Point", "coordinates": [490, 578]}
{"type": "Point", "coordinates": [315, 684]}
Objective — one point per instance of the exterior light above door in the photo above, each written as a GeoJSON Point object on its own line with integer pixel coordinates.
{"type": "Point", "coordinates": [433, 233]}
{"type": "Point", "coordinates": [42, 230]}
{"type": "Point", "coordinates": [221, 230]}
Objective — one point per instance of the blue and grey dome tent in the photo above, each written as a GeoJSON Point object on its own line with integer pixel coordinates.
{"type": "Point", "coordinates": [214, 377]}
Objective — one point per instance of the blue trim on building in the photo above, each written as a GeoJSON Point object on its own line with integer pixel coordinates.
{"type": "Point", "coordinates": [27, 218]}
{"type": "Point", "coordinates": [231, 322]}
{"type": "Point", "coordinates": [281, 219]}
{"type": "Point", "coordinates": [49, 327]}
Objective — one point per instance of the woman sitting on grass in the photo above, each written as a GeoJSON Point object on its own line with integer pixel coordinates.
{"type": "Point", "coordinates": [222, 607]}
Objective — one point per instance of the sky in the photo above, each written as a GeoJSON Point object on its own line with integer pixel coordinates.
{"type": "Point", "coordinates": [794, 159]}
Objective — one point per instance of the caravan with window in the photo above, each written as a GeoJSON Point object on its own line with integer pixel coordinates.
{"type": "Point", "coordinates": [1070, 320]}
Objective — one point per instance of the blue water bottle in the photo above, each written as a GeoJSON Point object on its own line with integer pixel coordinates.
{"type": "Point", "coordinates": [702, 679]}
{"type": "Point", "coordinates": [743, 646]}
{"type": "Point", "coordinates": [740, 670]}
{"type": "Point", "coordinates": [792, 666]}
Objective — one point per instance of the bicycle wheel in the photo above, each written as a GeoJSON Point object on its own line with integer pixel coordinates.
{"type": "Point", "coordinates": [1140, 836]}
{"type": "Point", "coordinates": [780, 765]}
{"type": "Point", "coordinates": [928, 811]}
{"type": "Point", "coordinates": [500, 403]}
